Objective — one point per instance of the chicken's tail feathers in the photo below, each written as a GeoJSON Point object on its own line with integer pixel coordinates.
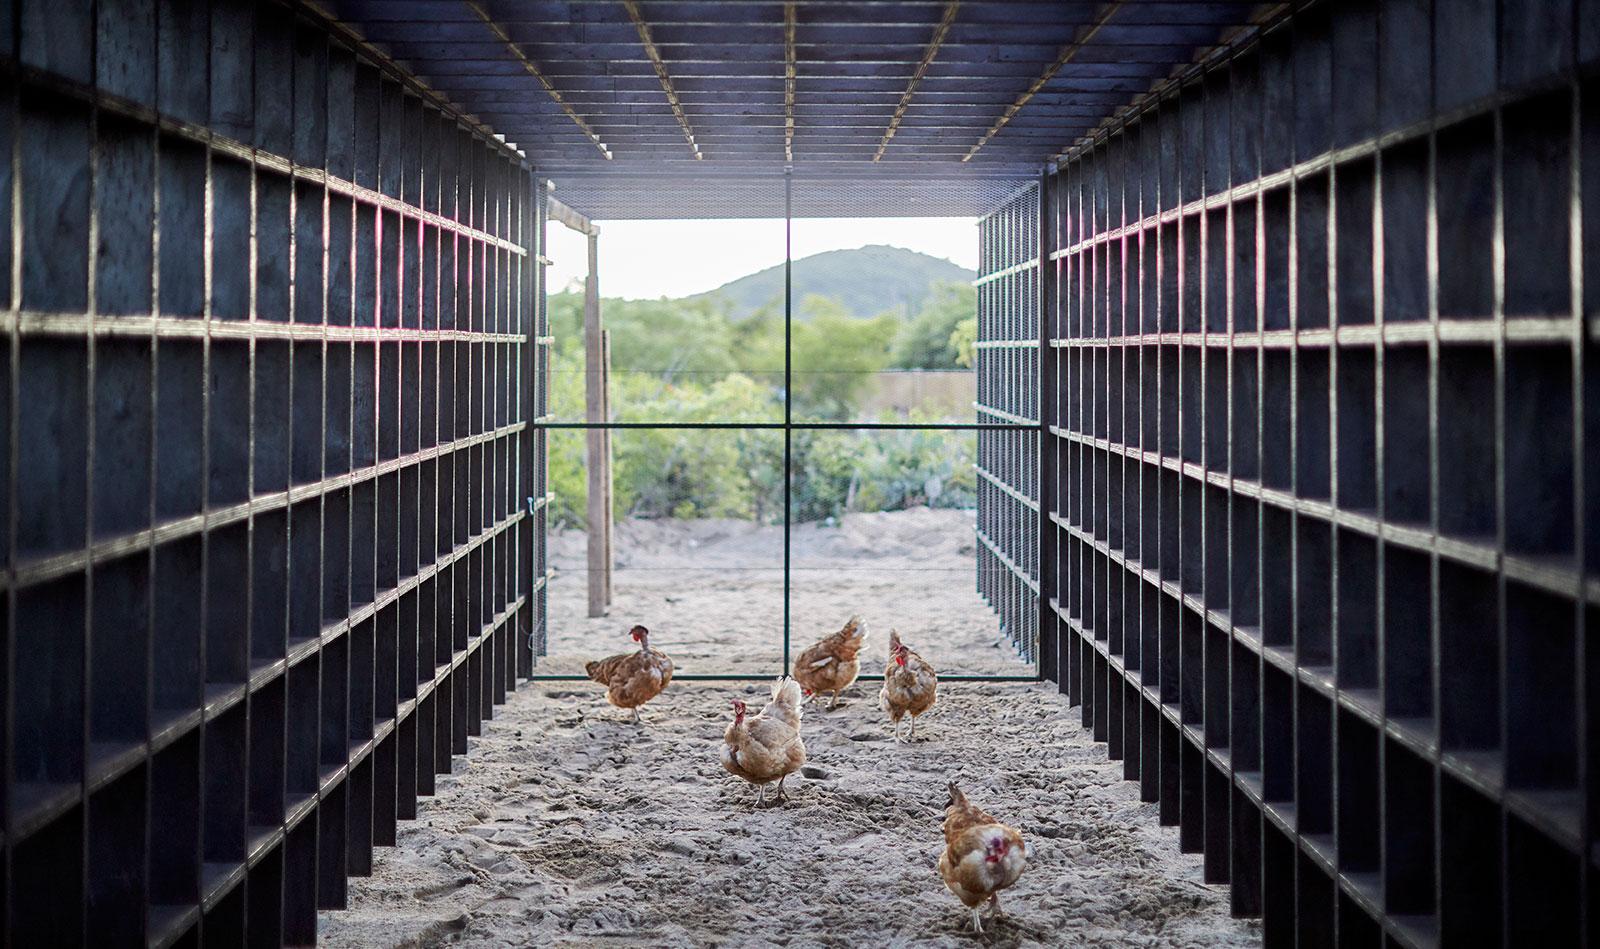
{"type": "Point", "coordinates": [958, 798]}
{"type": "Point", "coordinates": [855, 630]}
{"type": "Point", "coordinates": [594, 671]}
{"type": "Point", "coordinates": [786, 691]}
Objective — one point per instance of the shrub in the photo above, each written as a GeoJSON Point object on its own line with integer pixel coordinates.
{"type": "Point", "coordinates": [932, 339]}
{"type": "Point", "coordinates": [740, 473]}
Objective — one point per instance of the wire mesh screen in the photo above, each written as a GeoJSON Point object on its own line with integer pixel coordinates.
{"type": "Point", "coordinates": [269, 472]}
{"type": "Point", "coordinates": [756, 191]}
{"type": "Point", "coordinates": [886, 524]}
{"type": "Point", "coordinates": [650, 393]}
{"type": "Point", "coordinates": [1006, 355]}
{"type": "Point", "coordinates": [787, 448]}
{"type": "Point", "coordinates": [696, 549]}
{"type": "Point", "coordinates": [1321, 413]}
{"type": "Point", "coordinates": [537, 626]}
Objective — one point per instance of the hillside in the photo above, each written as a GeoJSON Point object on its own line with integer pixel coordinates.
{"type": "Point", "coordinates": [868, 281]}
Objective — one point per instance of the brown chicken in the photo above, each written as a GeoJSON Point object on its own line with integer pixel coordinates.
{"type": "Point", "coordinates": [832, 664]}
{"type": "Point", "coordinates": [981, 855]}
{"type": "Point", "coordinates": [909, 685]}
{"type": "Point", "coordinates": [633, 678]}
{"type": "Point", "coordinates": [767, 747]}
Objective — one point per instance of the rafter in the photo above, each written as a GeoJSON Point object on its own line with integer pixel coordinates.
{"type": "Point", "coordinates": [661, 73]}
{"type": "Point", "coordinates": [788, 80]}
{"type": "Point", "coordinates": [534, 71]}
{"type": "Point", "coordinates": [939, 33]}
{"type": "Point", "coordinates": [1264, 14]}
{"type": "Point", "coordinates": [1061, 60]}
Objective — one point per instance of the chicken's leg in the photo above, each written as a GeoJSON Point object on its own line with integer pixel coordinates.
{"type": "Point", "coordinates": [781, 796]}
{"type": "Point", "coordinates": [636, 719]}
{"type": "Point", "coordinates": [833, 704]}
{"type": "Point", "coordinates": [913, 728]}
{"type": "Point", "coordinates": [994, 905]}
{"type": "Point", "coordinates": [761, 794]}
{"type": "Point", "coordinates": [977, 924]}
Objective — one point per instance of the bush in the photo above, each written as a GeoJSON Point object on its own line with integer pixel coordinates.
{"type": "Point", "coordinates": [659, 472]}
{"type": "Point", "coordinates": [684, 361]}
{"type": "Point", "coordinates": [932, 339]}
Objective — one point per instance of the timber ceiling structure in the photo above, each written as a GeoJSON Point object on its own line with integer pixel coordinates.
{"type": "Point", "coordinates": [667, 109]}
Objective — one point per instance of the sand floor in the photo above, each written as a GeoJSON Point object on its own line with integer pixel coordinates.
{"type": "Point", "coordinates": [711, 592]}
{"type": "Point", "coordinates": [567, 826]}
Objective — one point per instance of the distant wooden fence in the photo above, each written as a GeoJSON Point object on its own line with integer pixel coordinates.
{"type": "Point", "coordinates": [945, 391]}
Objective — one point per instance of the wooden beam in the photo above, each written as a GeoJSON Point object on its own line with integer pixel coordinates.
{"type": "Point", "coordinates": [565, 215]}
{"type": "Point", "coordinates": [939, 34]}
{"type": "Point", "coordinates": [789, 22]}
{"type": "Point", "coordinates": [533, 70]}
{"type": "Point", "coordinates": [660, 65]}
{"type": "Point", "coordinates": [594, 405]}
{"type": "Point", "coordinates": [1067, 52]}
{"type": "Point", "coordinates": [608, 537]}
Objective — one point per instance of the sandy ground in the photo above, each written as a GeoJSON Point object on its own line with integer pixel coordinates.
{"type": "Point", "coordinates": [711, 592]}
{"type": "Point", "coordinates": [567, 826]}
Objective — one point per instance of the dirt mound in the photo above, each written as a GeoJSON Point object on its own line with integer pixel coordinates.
{"type": "Point", "coordinates": [920, 536]}
{"type": "Point", "coordinates": [711, 592]}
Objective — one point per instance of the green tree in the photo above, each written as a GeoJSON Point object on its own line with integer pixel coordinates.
{"type": "Point", "coordinates": [566, 445]}
{"type": "Point", "coordinates": [965, 340]}
{"type": "Point", "coordinates": [689, 361]}
{"type": "Point", "coordinates": [928, 341]}
{"type": "Point", "coordinates": [834, 357]}
{"type": "Point", "coordinates": [665, 337]}
{"type": "Point", "coordinates": [679, 473]}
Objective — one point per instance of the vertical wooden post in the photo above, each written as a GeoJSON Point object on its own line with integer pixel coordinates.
{"type": "Point", "coordinates": [605, 461]}
{"type": "Point", "coordinates": [595, 413]}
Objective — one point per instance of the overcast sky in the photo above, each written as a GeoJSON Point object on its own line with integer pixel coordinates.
{"type": "Point", "coordinates": [649, 259]}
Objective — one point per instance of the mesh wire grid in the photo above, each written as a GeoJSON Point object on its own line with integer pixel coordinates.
{"type": "Point", "coordinates": [771, 453]}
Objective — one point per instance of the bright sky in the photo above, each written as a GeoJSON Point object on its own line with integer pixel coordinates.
{"type": "Point", "coordinates": [649, 259]}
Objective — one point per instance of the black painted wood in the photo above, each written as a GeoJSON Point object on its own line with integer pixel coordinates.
{"type": "Point", "coordinates": [1319, 369]}
{"type": "Point", "coordinates": [258, 439]}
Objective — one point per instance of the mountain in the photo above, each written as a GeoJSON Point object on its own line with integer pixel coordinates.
{"type": "Point", "coordinates": [868, 281]}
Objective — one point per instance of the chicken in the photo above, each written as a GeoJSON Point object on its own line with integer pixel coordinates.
{"type": "Point", "coordinates": [909, 685]}
{"type": "Point", "coordinates": [981, 855]}
{"type": "Point", "coordinates": [633, 678]}
{"type": "Point", "coordinates": [768, 746]}
{"type": "Point", "coordinates": [831, 665]}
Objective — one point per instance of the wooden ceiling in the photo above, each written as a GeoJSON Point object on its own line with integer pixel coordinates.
{"type": "Point", "coordinates": [657, 108]}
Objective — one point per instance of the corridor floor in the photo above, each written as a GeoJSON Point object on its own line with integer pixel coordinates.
{"type": "Point", "coordinates": [568, 826]}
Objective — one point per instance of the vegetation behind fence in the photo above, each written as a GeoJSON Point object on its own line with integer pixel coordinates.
{"type": "Point", "coordinates": [691, 361]}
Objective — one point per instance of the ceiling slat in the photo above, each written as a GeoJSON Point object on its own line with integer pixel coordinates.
{"type": "Point", "coordinates": [912, 96]}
